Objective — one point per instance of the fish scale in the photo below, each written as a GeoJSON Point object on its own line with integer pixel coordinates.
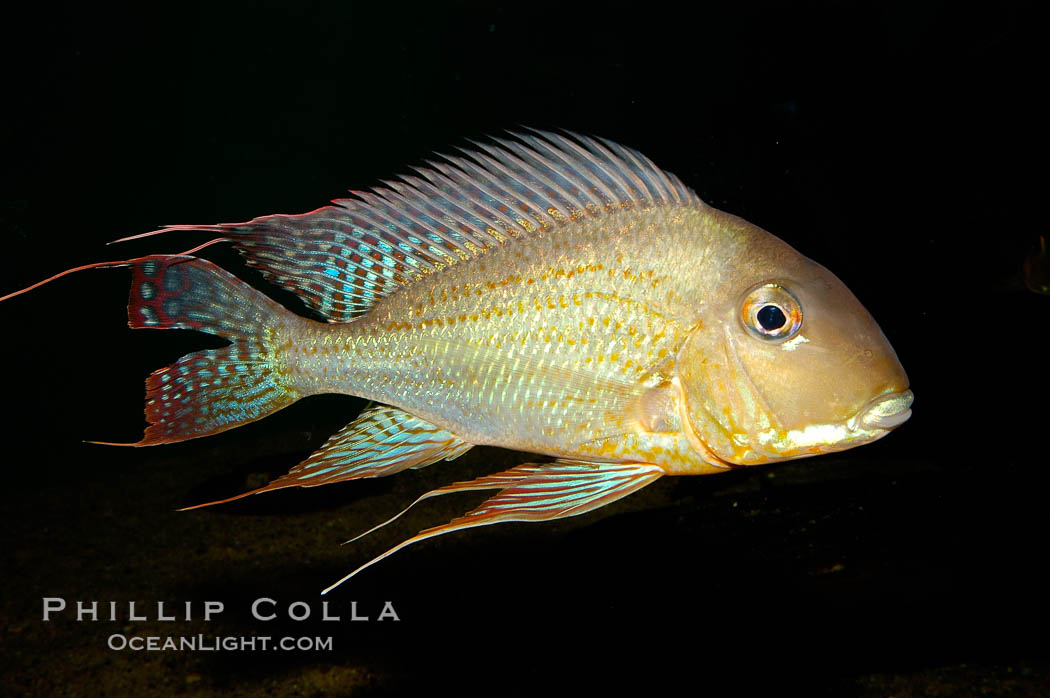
{"type": "Point", "coordinates": [550, 293]}
{"type": "Point", "coordinates": [599, 325]}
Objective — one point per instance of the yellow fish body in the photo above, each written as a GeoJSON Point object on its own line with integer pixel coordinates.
{"type": "Point", "coordinates": [551, 294]}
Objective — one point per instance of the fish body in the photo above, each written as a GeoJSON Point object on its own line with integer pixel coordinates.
{"type": "Point", "coordinates": [550, 294]}
{"type": "Point", "coordinates": [554, 345]}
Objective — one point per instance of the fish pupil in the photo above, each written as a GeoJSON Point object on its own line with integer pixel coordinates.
{"type": "Point", "coordinates": [771, 318]}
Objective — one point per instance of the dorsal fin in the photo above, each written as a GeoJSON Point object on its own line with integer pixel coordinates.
{"type": "Point", "coordinates": [341, 258]}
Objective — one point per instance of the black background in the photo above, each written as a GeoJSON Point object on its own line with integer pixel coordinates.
{"type": "Point", "coordinates": [900, 144]}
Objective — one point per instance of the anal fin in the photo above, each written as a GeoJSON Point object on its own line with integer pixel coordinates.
{"type": "Point", "coordinates": [535, 492]}
{"type": "Point", "coordinates": [381, 441]}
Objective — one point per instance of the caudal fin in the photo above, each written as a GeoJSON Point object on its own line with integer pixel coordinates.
{"type": "Point", "coordinates": [209, 391]}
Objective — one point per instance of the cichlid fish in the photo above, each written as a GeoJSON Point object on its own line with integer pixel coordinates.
{"type": "Point", "coordinates": [549, 293]}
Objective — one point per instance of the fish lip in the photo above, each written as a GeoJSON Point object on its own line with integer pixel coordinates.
{"type": "Point", "coordinates": [886, 411]}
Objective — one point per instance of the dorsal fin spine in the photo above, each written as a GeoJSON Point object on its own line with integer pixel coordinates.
{"type": "Point", "coordinates": [583, 185]}
{"type": "Point", "coordinates": [469, 224]}
{"type": "Point", "coordinates": [377, 214]}
{"type": "Point", "coordinates": [412, 244]}
{"type": "Point", "coordinates": [578, 191]}
{"type": "Point", "coordinates": [642, 195]}
{"type": "Point", "coordinates": [398, 211]}
{"type": "Point", "coordinates": [602, 157]}
{"type": "Point", "coordinates": [587, 160]}
{"type": "Point", "coordinates": [491, 187]}
{"type": "Point", "coordinates": [526, 194]}
{"type": "Point", "coordinates": [531, 175]}
{"type": "Point", "coordinates": [568, 204]}
{"type": "Point", "coordinates": [457, 180]}
{"type": "Point", "coordinates": [420, 208]}
{"type": "Point", "coordinates": [657, 190]}
{"type": "Point", "coordinates": [433, 184]}
{"type": "Point", "coordinates": [368, 218]}
{"type": "Point", "coordinates": [549, 191]}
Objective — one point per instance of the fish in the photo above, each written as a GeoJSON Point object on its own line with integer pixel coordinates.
{"type": "Point", "coordinates": [546, 292]}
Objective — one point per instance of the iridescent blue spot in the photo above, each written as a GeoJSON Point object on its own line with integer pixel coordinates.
{"type": "Point", "coordinates": [149, 268]}
{"type": "Point", "coordinates": [171, 281]}
{"type": "Point", "coordinates": [147, 290]}
{"type": "Point", "coordinates": [172, 307]}
{"type": "Point", "coordinates": [332, 272]}
{"type": "Point", "coordinates": [149, 317]}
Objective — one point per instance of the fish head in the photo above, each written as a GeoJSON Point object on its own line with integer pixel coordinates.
{"type": "Point", "coordinates": [784, 361]}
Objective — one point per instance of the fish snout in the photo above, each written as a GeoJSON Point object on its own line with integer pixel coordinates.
{"type": "Point", "coordinates": [886, 411]}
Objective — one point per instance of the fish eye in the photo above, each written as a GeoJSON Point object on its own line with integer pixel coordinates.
{"type": "Point", "coordinates": [771, 313]}
{"type": "Point", "coordinates": [770, 318]}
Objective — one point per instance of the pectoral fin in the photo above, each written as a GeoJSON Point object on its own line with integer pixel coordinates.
{"type": "Point", "coordinates": [381, 441]}
{"type": "Point", "coordinates": [536, 492]}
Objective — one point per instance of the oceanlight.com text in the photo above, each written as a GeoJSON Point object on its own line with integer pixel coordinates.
{"type": "Point", "coordinates": [217, 643]}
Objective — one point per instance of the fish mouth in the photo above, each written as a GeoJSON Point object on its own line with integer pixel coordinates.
{"type": "Point", "coordinates": [886, 411]}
